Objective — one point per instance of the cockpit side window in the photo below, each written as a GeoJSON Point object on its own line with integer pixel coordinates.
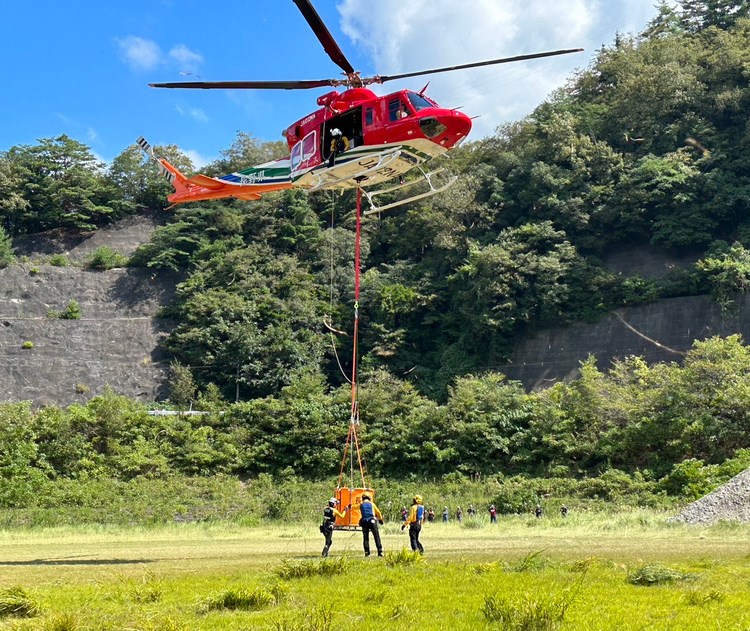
{"type": "Point", "coordinates": [397, 110]}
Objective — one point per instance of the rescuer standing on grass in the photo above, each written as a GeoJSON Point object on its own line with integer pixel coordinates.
{"type": "Point", "coordinates": [329, 520]}
{"type": "Point", "coordinates": [414, 521]}
{"type": "Point", "coordinates": [371, 517]}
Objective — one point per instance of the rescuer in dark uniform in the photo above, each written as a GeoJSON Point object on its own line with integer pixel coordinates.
{"type": "Point", "coordinates": [329, 519]}
{"type": "Point", "coordinates": [414, 521]}
{"type": "Point", "coordinates": [371, 517]}
{"type": "Point", "coordinates": [339, 144]}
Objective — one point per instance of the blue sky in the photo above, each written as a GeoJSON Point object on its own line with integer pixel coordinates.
{"type": "Point", "coordinates": [82, 67]}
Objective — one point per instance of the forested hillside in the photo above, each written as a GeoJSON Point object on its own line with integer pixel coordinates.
{"type": "Point", "coordinates": [650, 145]}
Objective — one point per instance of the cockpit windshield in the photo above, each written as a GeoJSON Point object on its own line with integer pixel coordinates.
{"type": "Point", "coordinates": [418, 101]}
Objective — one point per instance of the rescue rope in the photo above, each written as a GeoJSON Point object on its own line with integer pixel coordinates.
{"type": "Point", "coordinates": [330, 290]}
{"type": "Point", "coordinates": [352, 440]}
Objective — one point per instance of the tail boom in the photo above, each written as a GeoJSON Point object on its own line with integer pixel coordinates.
{"type": "Point", "coordinates": [249, 184]}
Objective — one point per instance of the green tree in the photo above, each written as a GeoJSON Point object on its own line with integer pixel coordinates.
{"type": "Point", "coordinates": [13, 205]}
{"type": "Point", "coordinates": [137, 181]}
{"type": "Point", "coordinates": [63, 184]}
{"type": "Point", "coordinates": [20, 466]}
{"type": "Point", "coordinates": [6, 248]}
{"type": "Point", "coordinates": [486, 417]}
{"type": "Point", "coordinates": [728, 273]}
{"type": "Point", "coordinates": [251, 318]}
{"type": "Point", "coordinates": [702, 14]}
{"type": "Point", "coordinates": [301, 431]}
{"type": "Point", "coordinates": [247, 151]}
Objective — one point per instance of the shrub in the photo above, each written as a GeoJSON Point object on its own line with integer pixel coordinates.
{"type": "Point", "coordinates": [403, 557]}
{"type": "Point", "coordinates": [648, 575]}
{"type": "Point", "coordinates": [72, 311]}
{"type": "Point", "coordinates": [527, 612]}
{"type": "Point", "coordinates": [531, 562]}
{"type": "Point", "coordinates": [690, 479]}
{"type": "Point", "coordinates": [59, 260]}
{"type": "Point", "coordinates": [15, 601]}
{"type": "Point", "coordinates": [318, 618]}
{"type": "Point", "coordinates": [149, 590]}
{"type": "Point", "coordinates": [241, 598]}
{"type": "Point", "coordinates": [698, 598]}
{"type": "Point", "coordinates": [105, 257]}
{"type": "Point", "coordinates": [6, 248]}
{"type": "Point", "coordinates": [305, 569]}
{"type": "Point", "coordinates": [65, 622]}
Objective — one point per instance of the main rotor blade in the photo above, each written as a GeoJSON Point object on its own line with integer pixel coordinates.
{"type": "Point", "coordinates": [324, 35]}
{"type": "Point", "coordinates": [249, 85]}
{"type": "Point", "coordinates": [505, 60]}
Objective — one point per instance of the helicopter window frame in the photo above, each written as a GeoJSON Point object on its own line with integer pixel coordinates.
{"type": "Point", "coordinates": [304, 150]}
{"type": "Point", "coordinates": [419, 102]}
{"type": "Point", "coordinates": [397, 109]}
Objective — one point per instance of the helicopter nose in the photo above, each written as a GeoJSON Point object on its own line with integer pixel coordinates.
{"type": "Point", "coordinates": [446, 127]}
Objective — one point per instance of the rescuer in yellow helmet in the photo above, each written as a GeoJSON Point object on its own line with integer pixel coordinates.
{"type": "Point", "coordinates": [414, 521]}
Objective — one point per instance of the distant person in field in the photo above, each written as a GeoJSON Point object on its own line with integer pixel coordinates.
{"type": "Point", "coordinates": [493, 514]}
{"type": "Point", "coordinates": [538, 511]}
{"type": "Point", "coordinates": [404, 513]}
{"type": "Point", "coordinates": [329, 520]}
{"type": "Point", "coordinates": [563, 511]}
{"type": "Point", "coordinates": [459, 514]}
{"type": "Point", "coordinates": [414, 521]}
{"type": "Point", "coordinates": [431, 515]}
{"type": "Point", "coordinates": [446, 515]}
{"type": "Point", "coordinates": [371, 517]}
{"type": "Point", "coordinates": [471, 511]}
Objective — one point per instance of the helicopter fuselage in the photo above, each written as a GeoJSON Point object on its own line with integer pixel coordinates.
{"type": "Point", "coordinates": [387, 136]}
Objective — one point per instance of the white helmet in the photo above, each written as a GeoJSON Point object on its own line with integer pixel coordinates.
{"type": "Point", "coordinates": [333, 501]}
{"type": "Point", "coordinates": [335, 131]}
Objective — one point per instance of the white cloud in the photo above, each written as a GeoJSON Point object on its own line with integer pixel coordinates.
{"type": "Point", "coordinates": [196, 158]}
{"type": "Point", "coordinates": [186, 58]}
{"type": "Point", "coordinates": [424, 34]}
{"type": "Point", "coordinates": [139, 53]}
{"type": "Point", "coordinates": [91, 134]}
{"type": "Point", "coordinates": [195, 113]}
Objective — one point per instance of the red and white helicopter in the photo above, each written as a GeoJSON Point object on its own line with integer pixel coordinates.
{"type": "Point", "coordinates": [386, 136]}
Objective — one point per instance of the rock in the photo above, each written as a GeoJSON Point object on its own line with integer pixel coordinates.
{"type": "Point", "coordinates": [730, 502]}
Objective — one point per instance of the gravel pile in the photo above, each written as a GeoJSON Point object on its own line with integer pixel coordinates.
{"type": "Point", "coordinates": [730, 502]}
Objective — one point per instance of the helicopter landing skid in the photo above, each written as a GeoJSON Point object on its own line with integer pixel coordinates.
{"type": "Point", "coordinates": [374, 208]}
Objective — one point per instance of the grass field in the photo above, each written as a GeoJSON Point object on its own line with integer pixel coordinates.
{"type": "Point", "coordinates": [625, 571]}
